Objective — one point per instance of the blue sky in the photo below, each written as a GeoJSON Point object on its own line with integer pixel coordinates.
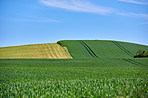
{"type": "Point", "coordinates": [47, 21]}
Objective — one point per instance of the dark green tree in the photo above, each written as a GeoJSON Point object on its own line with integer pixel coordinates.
{"type": "Point", "coordinates": [141, 53]}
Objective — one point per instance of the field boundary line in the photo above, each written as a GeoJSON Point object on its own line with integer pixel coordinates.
{"type": "Point", "coordinates": [38, 51]}
{"type": "Point", "coordinates": [88, 49]}
{"type": "Point", "coordinates": [66, 51]}
{"type": "Point", "coordinates": [136, 62]}
{"type": "Point", "coordinates": [50, 50]}
{"type": "Point", "coordinates": [47, 52]}
{"type": "Point", "coordinates": [61, 54]}
{"type": "Point", "coordinates": [128, 53]}
{"type": "Point", "coordinates": [133, 62]}
{"type": "Point", "coordinates": [54, 49]}
{"type": "Point", "coordinates": [123, 48]}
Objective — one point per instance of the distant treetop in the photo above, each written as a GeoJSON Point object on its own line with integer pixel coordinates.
{"type": "Point", "coordinates": [141, 53]}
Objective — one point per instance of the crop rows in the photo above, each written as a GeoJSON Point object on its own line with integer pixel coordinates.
{"type": "Point", "coordinates": [88, 49]}
{"type": "Point", "coordinates": [133, 62]}
{"type": "Point", "coordinates": [39, 71]}
{"type": "Point", "coordinates": [128, 53]}
{"type": "Point", "coordinates": [76, 49]}
{"type": "Point", "coordinates": [49, 50]}
{"type": "Point", "coordinates": [25, 78]}
{"type": "Point", "coordinates": [82, 49]}
{"type": "Point", "coordinates": [99, 69]}
{"type": "Point", "coordinates": [77, 88]}
{"type": "Point", "coordinates": [123, 49]}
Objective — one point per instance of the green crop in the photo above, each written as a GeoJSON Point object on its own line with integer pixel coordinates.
{"type": "Point", "coordinates": [73, 78]}
{"type": "Point", "coordinates": [77, 88]}
{"type": "Point", "coordinates": [99, 69]}
{"type": "Point", "coordinates": [101, 49]}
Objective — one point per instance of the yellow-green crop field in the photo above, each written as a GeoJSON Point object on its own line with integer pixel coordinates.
{"type": "Point", "coordinates": [48, 50]}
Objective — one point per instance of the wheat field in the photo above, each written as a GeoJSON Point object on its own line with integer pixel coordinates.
{"type": "Point", "coordinates": [47, 50]}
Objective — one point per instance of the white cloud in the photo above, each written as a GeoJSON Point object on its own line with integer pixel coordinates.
{"type": "Point", "coordinates": [135, 1]}
{"type": "Point", "coordinates": [86, 6]}
{"type": "Point", "coordinates": [76, 5]}
{"type": "Point", "coordinates": [33, 19]}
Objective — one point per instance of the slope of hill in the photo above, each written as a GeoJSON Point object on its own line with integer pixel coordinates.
{"type": "Point", "coordinates": [48, 50]}
{"type": "Point", "coordinates": [79, 49]}
{"type": "Point", "coordinates": [100, 69]}
{"type": "Point", "coordinates": [101, 48]}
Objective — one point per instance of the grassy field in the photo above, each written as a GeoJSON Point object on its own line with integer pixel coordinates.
{"type": "Point", "coordinates": [99, 69]}
{"type": "Point", "coordinates": [48, 50]}
{"type": "Point", "coordinates": [101, 49]}
{"type": "Point", "coordinates": [75, 78]}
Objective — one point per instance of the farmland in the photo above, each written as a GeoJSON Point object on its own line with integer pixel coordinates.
{"type": "Point", "coordinates": [101, 49]}
{"type": "Point", "coordinates": [47, 50]}
{"type": "Point", "coordinates": [98, 69]}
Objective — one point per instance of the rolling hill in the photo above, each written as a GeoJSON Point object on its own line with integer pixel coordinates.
{"type": "Point", "coordinates": [77, 49]}
{"type": "Point", "coordinates": [80, 49]}
{"type": "Point", "coordinates": [48, 50]}
{"type": "Point", "coordinates": [92, 69]}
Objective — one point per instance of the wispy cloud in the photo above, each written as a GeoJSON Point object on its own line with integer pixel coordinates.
{"type": "Point", "coordinates": [135, 1]}
{"type": "Point", "coordinates": [76, 5]}
{"type": "Point", "coordinates": [87, 6]}
{"type": "Point", "coordinates": [33, 19]}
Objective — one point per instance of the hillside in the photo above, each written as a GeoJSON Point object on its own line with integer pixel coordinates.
{"type": "Point", "coordinates": [101, 48]}
{"type": "Point", "coordinates": [79, 49]}
{"type": "Point", "coordinates": [48, 50]}
{"type": "Point", "coordinates": [99, 69]}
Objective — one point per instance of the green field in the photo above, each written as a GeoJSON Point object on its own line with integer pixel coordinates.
{"type": "Point", "coordinates": [101, 49]}
{"type": "Point", "coordinates": [98, 69]}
